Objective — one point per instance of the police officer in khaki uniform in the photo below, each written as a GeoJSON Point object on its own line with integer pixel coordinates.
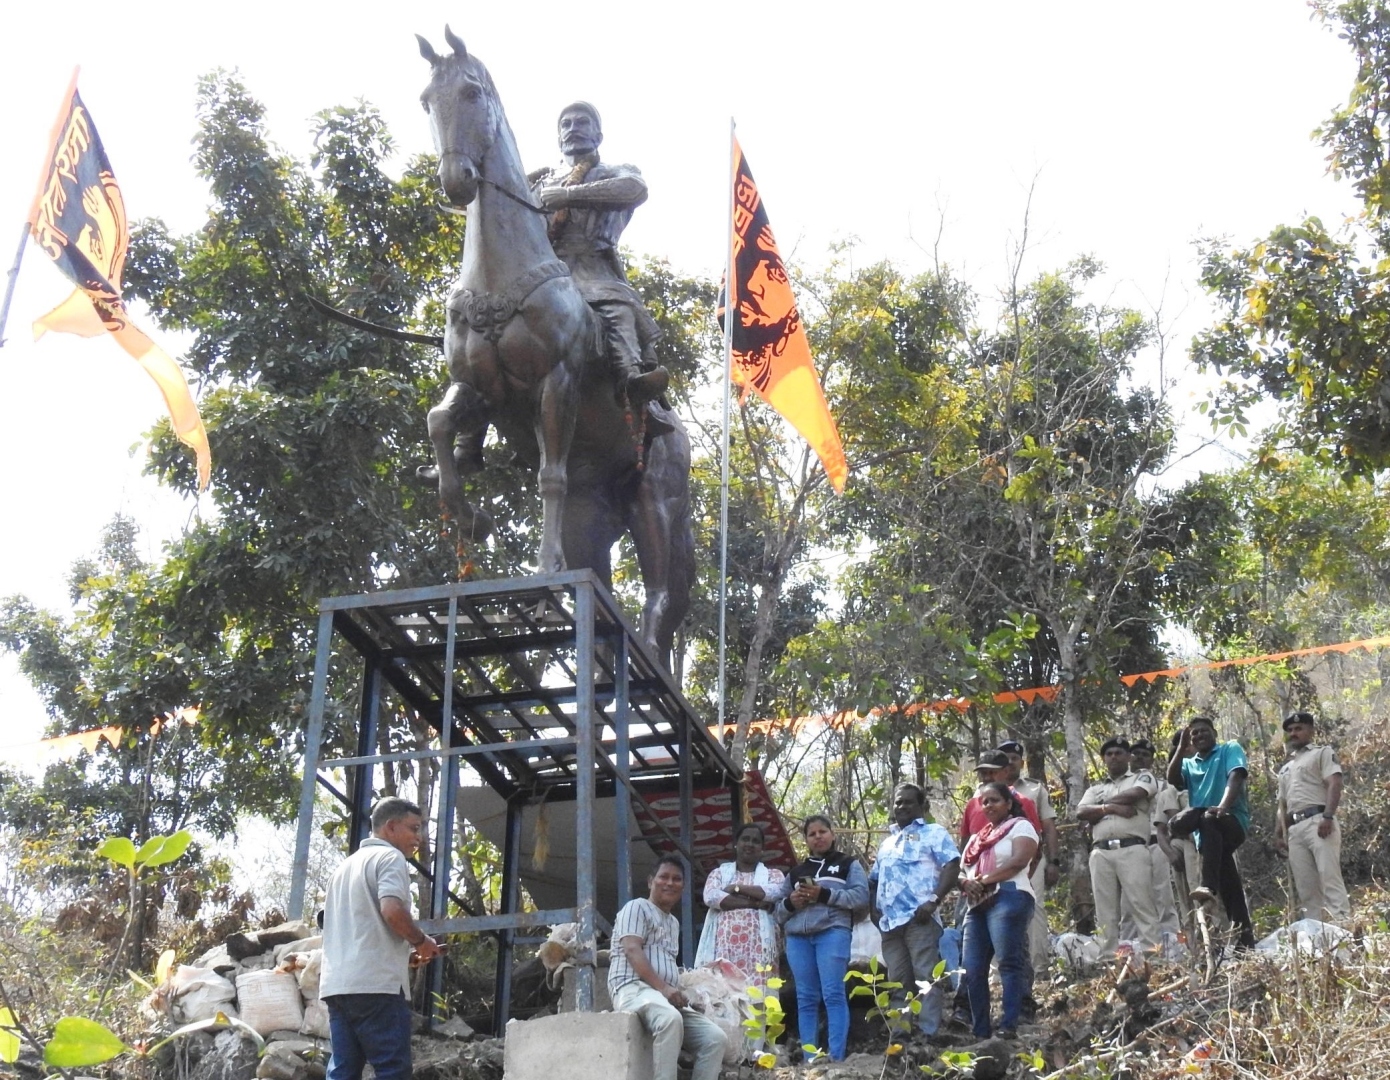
{"type": "Point", "coordinates": [1141, 759]}
{"type": "Point", "coordinates": [1118, 811]}
{"type": "Point", "coordinates": [1310, 789]}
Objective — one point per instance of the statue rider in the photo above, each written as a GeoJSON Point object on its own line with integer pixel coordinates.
{"type": "Point", "coordinates": [592, 202]}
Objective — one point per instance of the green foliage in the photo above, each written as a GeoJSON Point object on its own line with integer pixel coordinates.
{"type": "Point", "coordinates": [896, 1019]}
{"type": "Point", "coordinates": [78, 1042]}
{"type": "Point", "coordinates": [766, 1021]}
{"type": "Point", "coordinates": [1305, 312]}
{"type": "Point", "coordinates": [9, 1037]}
{"type": "Point", "coordinates": [156, 851]}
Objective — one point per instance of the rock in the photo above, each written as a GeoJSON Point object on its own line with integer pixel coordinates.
{"type": "Point", "coordinates": [242, 946]}
{"type": "Point", "coordinates": [854, 1067]}
{"type": "Point", "coordinates": [992, 1059]}
{"type": "Point", "coordinates": [454, 1028]}
{"type": "Point", "coordinates": [278, 1064]}
{"type": "Point", "coordinates": [218, 960]}
{"type": "Point", "coordinates": [233, 1057]}
{"type": "Point", "coordinates": [256, 962]}
{"type": "Point", "coordinates": [292, 1042]}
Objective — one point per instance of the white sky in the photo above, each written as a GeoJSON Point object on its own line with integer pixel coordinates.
{"type": "Point", "coordinates": [1146, 127]}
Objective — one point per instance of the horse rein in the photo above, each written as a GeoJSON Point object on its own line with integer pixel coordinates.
{"type": "Point", "coordinates": [509, 194]}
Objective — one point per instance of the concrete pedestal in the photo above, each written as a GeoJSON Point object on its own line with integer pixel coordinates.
{"type": "Point", "coordinates": [578, 1046]}
{"type": "Point", "coordinates": [568, 978]}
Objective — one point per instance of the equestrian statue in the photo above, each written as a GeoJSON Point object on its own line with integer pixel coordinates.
{"type": "Point", "coordinates": [546, 341]}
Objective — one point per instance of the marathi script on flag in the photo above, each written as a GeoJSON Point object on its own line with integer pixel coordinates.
{"type": "Point", "coordinates": [79, 220]}
{"type": "Point", "coordinates": [771, 355]}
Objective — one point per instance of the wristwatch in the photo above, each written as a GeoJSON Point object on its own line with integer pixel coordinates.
{"type": "Point", "coordinates": [1329, 817]}
{"type": "Point", "coordinates": [737, 888]}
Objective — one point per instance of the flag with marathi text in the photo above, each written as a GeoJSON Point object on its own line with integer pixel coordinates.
{"type": "Point", "coordinates": [770, 352]}
{"type": "Point", "coordinates": [79, 220]}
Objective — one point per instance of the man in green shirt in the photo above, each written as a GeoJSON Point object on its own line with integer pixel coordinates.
{"type": "Point", "coordinates": [1213, 774]}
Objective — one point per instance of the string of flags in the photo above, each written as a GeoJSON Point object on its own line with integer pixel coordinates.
{"type": "Point", "coordinates": [1032, 694]}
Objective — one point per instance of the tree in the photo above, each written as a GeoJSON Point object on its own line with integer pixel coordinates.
{"type": "Point", "coordinates": [1306, 311]}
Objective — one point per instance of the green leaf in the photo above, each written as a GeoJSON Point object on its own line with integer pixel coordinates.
{"type": "Point", "coordinates": [766, 1061]}
{"type": "Point", "coordinates": [939, 970]}
{"type": "Point", "coordinates": [78, 1042]}
{"type": "Point", "coordinates": [169, 849]}
{"type": "Point", "coordinates": [119, 850]}
{"type": "Point", "coordinates": [9, 1037]}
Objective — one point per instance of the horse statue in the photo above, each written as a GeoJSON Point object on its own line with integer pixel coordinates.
{"type": "Point", "coordinates": [524, 354]}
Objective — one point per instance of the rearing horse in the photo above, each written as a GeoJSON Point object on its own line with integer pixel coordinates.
{"type": "Point", "coordinates": [522, 347]}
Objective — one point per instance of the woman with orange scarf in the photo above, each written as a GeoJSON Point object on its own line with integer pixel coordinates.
{"type": "Point", "coordinates": [994, 879]}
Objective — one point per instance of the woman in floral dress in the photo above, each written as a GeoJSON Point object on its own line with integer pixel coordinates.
{"type": "Point", "coordinates": [740, 896]}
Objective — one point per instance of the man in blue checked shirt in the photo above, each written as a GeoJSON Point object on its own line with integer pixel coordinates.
{"type": "Point", "coordinates": [917, 865]}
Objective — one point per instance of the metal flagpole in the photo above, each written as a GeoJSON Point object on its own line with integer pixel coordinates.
{"type": "Point", "coordinates": [9, 285]}
{"type": "Point", "coordinates": [729, 315]}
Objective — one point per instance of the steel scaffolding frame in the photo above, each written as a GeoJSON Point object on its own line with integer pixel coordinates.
{"type": "Point", "coordinates": [553, 697]}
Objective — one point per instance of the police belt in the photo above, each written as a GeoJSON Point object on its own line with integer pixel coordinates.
{"type": "Point", "coordinates": [1119, 842]}
{"type": "Point", "coordinates": [1303, 815]}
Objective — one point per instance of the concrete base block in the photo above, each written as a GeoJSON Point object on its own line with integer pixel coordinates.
{"type": "Point", "coordinates": [579, 1046]}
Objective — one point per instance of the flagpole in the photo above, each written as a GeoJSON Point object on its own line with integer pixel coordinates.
{"type": "Point", "coordinates": [729, 316]}
{"type": "Point", "coordinates": [13, 277]}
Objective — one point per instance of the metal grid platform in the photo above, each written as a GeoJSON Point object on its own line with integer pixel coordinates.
{"type": "Point", "coordinates": [551, 697]}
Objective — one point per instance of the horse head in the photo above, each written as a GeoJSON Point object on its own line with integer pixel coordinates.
{"type": "Point", "coordinates": [464, 114]}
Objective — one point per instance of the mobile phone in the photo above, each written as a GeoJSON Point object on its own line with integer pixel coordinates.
{"type": "Point", "coordinates": [807, 883]}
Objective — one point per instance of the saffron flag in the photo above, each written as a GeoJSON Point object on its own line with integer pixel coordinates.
{"type": "Point", "coordinates": [770, 352]}
{"type": "Point", "coordinates": [79, 220]}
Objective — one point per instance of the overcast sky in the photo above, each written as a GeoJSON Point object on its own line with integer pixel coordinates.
{"type": "Point", "coordinates": [1142, 127]}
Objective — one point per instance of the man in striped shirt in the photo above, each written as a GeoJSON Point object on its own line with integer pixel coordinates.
{"type": "Point", "coordinates": [644, 978]}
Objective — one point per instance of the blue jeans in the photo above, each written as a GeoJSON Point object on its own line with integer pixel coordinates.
{"type": "Point", "coordinates": [999, 930]}
{"type": "Point", "coordinates": [368, 1028]}
{"type": "Point", "coordinates": [818, 963]}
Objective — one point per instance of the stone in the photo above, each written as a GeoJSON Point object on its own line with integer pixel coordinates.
{"type": "Point", "coordinates": [256, 962]}
{"type": "Point", "coordinates": [454, 1028]}
{"type": "Point", "coordinates": [233, 1057]}
{"type": "Point", "coordinates": [292, 1042]}
{"type": "Point", "coordinates": [277, 1064]}
{"type": "Point", "coordinates": [992, 1058]}
{"type": "Point", "coordinates": [579, 1046]}
{"type": "Point", "coordinates": [218, 960]}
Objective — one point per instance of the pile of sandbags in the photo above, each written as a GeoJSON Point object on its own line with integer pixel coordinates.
{"type": "Point", "coordinates": [268, 979]}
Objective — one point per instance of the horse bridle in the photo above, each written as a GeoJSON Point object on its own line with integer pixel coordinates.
{"type": "Point", "coordinates": [502, 191]}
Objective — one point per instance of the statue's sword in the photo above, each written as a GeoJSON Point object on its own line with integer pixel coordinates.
{"type": "Point", "coordinates": [372, 328]}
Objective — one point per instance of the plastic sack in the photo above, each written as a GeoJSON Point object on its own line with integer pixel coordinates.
{"type": "Point", "coordinates": [200, 994]}
{"type": "Point", "coordinates": [720, 991]}
{"type": "Point", "coordinates": [269, 1001]}
{"type": "Point", "coordinates": [865, 943]}
{"type": "Point", "coordinates": [310, 973]}
{"type": "Point", "coordinates": [1079, 952]}
{"type": "Point", "coordinates": [1311, 937]}
{"type": "Point", "coordinates": [315, 1022]}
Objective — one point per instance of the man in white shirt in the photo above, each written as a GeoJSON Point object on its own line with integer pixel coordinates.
{"type": "Point", "coordinates": [1305, 829]}
{"type": "Point", "coordinates": [369, 940]}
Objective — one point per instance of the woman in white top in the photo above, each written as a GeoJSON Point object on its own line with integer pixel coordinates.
{"type": "Point", "coordinates": [994, 878]}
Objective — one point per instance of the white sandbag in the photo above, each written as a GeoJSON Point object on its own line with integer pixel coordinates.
{"type": "Point", "coordinates": [1079, 952]}
{"type": "Point", "coordinates": [315, 1019]}
{"type": "Point", "coordinates": [269, 1001]}
{"type": "Point", "coordinates": [303, 945]}
{"type": "Point", "coordinates": [720, 991]}
{"type": "Point", "coordinates": [199, 994]}
{"type": "Point", "coordinates": [309, 974]}
{"type": "Point", "coordinates": [1311, 937]}
{"type": "Point", "coordinates": [865, 943]}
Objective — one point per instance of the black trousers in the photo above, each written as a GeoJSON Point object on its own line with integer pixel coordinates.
{"type": "Point", "coordinates": [1217, 840]}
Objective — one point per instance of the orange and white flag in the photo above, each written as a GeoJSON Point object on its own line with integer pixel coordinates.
{"type": "Point", "coordinates": [79, 220]}
{"type": "Point", "coordinates": [770, 352]}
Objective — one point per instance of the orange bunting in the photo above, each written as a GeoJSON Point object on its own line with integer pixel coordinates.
{"type": "Point", "coordinates": [1031, 694]}
{"type": "Point", "coordinates": [770, 352]}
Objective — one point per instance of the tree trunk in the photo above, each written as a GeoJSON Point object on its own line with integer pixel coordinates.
{"type": "Point", "coordinates": [752, 666]}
